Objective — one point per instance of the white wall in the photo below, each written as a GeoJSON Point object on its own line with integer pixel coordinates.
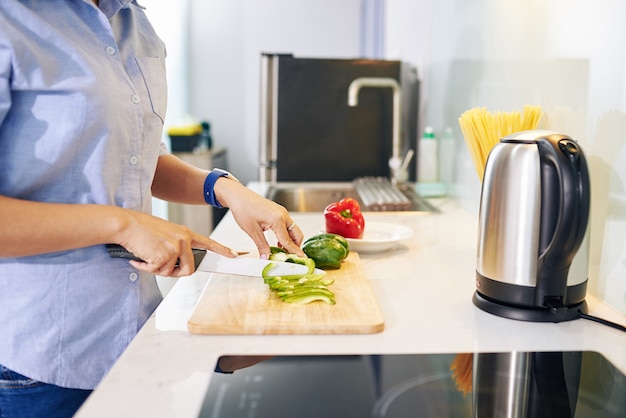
{"type": "Point", "coordinates": [566, 56]}
{"type": "Point", "coordinates": [171, 23]}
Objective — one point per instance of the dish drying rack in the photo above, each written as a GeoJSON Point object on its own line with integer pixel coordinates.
{"type": "Point", "coordinates": [379, 194]}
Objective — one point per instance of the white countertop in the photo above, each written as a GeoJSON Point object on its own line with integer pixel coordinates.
{"type": "Point", "coordinates": [424, 287]}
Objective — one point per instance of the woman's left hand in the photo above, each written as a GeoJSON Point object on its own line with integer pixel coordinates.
{"type": "Point", "coordinates": [255, 214]}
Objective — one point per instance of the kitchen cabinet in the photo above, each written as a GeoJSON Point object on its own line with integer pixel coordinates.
{"type": "Point", "coordinates": [424, 287]}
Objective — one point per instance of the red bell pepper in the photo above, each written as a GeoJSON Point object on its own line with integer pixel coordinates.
{"type": "Point", "coordinates": [345, 218]}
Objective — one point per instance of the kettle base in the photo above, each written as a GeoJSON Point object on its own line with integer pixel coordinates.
{"type": "Point", "coordinates": [520, 313]}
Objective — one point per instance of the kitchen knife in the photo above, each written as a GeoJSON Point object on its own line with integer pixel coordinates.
{"type": "Point", "coordinates": [117, 251]}
{"type": "Point", "coordinates": [248, 266]}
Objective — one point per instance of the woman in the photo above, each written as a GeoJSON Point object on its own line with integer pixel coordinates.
{"type": "Point", "coordinates": [82, 103]}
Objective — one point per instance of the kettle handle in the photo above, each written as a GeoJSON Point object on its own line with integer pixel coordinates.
{"type": "Point", "coordinates": [565, 201]}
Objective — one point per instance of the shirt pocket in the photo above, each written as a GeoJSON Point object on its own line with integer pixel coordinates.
{"type": "Point", "coordinates": [153, 72]}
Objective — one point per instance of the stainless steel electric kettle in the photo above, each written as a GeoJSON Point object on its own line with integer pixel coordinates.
{"type": "Point", "coordinates": [534, 212]}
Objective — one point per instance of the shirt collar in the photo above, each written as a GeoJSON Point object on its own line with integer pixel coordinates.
{"type": "Point", "coordinates": [111, 7]}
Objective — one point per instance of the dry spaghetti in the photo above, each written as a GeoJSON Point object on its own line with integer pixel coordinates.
{"type": "Point", "coordinates": [482, 130]}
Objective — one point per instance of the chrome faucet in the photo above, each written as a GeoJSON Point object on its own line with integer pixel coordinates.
{"type": "Point", "coordinates": [396, 165]}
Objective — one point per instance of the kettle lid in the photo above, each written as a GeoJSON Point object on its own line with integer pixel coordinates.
{"type": "Point", "coordinates": [529, 137]}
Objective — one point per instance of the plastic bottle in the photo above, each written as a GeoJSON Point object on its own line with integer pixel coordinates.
{"type": "Point", "coordinates": [427, 167]}
{"type": "Point", "coordinates": [447, 152]}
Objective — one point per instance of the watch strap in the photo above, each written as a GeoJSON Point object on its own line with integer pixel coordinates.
{"type": "Point", "coordinates": [209, 186]}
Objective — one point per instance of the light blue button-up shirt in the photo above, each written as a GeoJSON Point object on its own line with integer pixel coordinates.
{"type": "Point", "coordinates": [82, 103]}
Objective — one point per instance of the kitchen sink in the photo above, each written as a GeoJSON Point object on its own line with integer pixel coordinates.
{"type": "Point", "coordinates": [315, 196]}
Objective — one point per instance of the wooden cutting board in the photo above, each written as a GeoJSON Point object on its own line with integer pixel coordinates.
{"type": "Point", "coordinates": [232, 304]}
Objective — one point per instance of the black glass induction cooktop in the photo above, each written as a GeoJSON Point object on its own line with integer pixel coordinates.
{"type": "Point", "coordinates": [515, 384]}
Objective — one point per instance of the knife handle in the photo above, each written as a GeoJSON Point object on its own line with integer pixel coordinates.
{"type": "Point", "coordinates": [117, 251]}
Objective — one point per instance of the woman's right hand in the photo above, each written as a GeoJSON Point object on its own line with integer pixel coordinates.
{"type": "Point", "coordinates": [165, 247]}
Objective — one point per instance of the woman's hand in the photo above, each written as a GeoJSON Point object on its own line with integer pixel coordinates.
{"type": "Point", "coordinates": [164, 246]}
{"type": "Point", "coordinates": [255, 214]}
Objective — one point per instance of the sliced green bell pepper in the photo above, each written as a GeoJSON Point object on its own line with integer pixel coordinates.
{"type": "Point", "coordinates": [279, 254]}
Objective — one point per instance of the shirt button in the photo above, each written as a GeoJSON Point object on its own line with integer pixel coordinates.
{"type": "Point", "coordinates": [133, 160]}
{"type": "Point", "coordinates": [110, 50]}
{"type": "Point", "coordinates": [132, 277]}
{"type": "Point", "coordinates": [135, 99]}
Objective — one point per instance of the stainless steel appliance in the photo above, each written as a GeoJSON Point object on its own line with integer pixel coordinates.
{"type": "Point", "coordinates": [527, 384]}
{"type": "Point", "coordinates": [533, 218]}
{"type": "Point", "coordinates": [316, 125]}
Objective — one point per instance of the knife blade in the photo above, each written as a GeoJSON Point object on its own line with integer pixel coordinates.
{"type": "Point", "coordinates": [248, 266]}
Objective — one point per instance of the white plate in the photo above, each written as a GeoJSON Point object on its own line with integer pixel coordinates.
{"type": "Point", "coordinates": [379, 237]}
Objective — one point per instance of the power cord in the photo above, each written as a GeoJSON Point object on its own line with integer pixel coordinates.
{"type": "Point", "coordinates": [601, 321]}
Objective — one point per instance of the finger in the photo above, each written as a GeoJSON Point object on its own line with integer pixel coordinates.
{"type": "Point", "coordinates": [289, 239]}
{"type": "Point", "coordinates": [214, 246]}
{"type": "Point", "coordinates": [263, 246]}
{"type": "Point", "coordinates": [258, 237]}
{"type": "Point", "coordinates": [292, 248]}
{"type": "Point", "coordinates": [296, 234]}
{"type": "Point", "coordinates": [165, 270]}
{"type": "Point", "coordinates": [174, 263]}
{"type": "Point", "coordinates": [186, 264]}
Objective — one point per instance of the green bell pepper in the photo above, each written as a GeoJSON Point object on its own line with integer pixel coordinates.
{"type": "Point", "coordinates": [327, 250]}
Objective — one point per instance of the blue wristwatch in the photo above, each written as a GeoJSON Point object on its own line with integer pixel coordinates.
{"type": "Point", "coordinates": [209, 185]}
